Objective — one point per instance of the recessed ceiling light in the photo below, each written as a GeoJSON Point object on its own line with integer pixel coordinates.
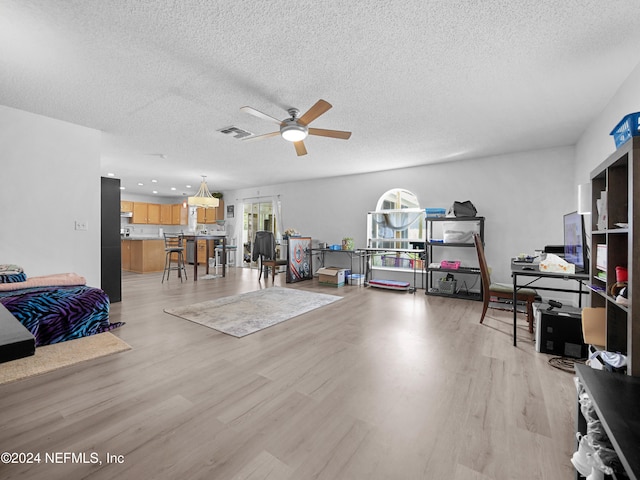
{"type": "Point", "coordinates": [188, 186]}
{"type": "Point", "coordinates": [140, 184]}
{"type": "Point", "coordinates": [122, 188]}
{"type": "Point", "coordinates": [173, 188]}
{"type": "Point", "coordinates": [155, 191]}
{"type": "Point", "coordinates": [111, 174]}
{"type": "Point", "coordinates": [154, 181]}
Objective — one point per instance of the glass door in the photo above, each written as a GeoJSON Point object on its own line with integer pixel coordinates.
{"type": "Point", "coordinates": [257, 216]}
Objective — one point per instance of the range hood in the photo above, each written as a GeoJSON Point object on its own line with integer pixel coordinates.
{"type": "Point", "coordinates": [126, 214]}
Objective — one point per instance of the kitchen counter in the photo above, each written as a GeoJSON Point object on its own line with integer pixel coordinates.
{"type": "Point", "coordinates": [143, 254]}
{"type": "Point", "coordinates": [144, 237]}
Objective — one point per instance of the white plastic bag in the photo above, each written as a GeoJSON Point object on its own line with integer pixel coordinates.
{"type": "Point", "coordinates": [555, 264]}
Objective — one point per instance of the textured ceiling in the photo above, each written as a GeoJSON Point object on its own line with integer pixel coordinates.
{"type": "Point", "coordinates": [416, 81]}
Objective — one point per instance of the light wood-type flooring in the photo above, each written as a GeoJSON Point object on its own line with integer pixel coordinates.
{"type": "Point", "coordinates": [380, 385]}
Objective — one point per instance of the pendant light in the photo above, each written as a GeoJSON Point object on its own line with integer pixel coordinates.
{"type": "Point", "coordinates": [203, 198]}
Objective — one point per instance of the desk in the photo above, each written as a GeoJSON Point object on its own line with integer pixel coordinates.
{"type": "Point", "coordinates": [534, 276]}
{"type": "Point", "coordinates": [616, 398]}
{"type": "Point", "coordinates": [215, 238]}
{"type": "Point", "coordinates": [352, 254]}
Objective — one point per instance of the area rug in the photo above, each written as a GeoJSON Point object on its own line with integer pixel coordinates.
{"type": "Point", "coordinates": [246, 313]}
{"type": "Point", "coordinates": [53, 357]}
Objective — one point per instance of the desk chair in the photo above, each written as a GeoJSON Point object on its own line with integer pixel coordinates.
{"type": "Point", "coordinates": [264, 250]}
{"type": "Point", "coordinates": [174, 245]}
{"type": "Point", "coordinates": [501, 290]}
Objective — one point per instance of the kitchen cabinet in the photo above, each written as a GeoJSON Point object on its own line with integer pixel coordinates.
{"type": "Point", "coordinates": [145, 255]}
{"type": "Point", "coordinates": [126, 254]}
{"type": "Point", "coordinates": [140, 212]}
{"type": "Point", "coordinates": [162, 214]}
{"type": "Point", "coordinates": [126, 206]}
{"type": "Point", "coordinates": [148, 213]}
{"type": "Point", "coordinates": [166, 214]}
{"type": "Point", "coordinates": [202, 252]}
{"type": "Point", "coordinates": [153, 213]}
{"type": "Point", "coordinates": [211, 215]}
{"type": "Point", "coordinates": [179, 214]}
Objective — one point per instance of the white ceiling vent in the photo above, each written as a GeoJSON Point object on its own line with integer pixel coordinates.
{"type": "Point", "coordinates": [236, 132]}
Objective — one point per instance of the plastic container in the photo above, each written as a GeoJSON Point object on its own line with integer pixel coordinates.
{"type": "Point", "coordinates": [447, 286]}
{"type": "Point", "coordinates": [622, 275]}
{"type": "Point", "coordinates": [435, 212]}
{"type": "Point", "coordinates": [628, 127]}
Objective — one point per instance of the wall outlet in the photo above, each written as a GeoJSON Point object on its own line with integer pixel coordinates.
{"type": "Point", "coordinates": [81, 225]}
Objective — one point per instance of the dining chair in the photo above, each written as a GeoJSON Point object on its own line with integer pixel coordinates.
{"type": "Point", "coordinates": [501, 290]}
{"type": "Point", "coordinates": [264, 250]}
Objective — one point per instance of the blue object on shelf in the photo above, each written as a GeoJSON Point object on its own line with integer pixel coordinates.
{"type": "Point", "coordinates": [628, 127]}
{"type": "Point", "coordinates": [435, 212]}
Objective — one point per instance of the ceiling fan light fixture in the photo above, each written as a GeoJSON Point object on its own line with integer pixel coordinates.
{"type": "Point", "coordinates": [294, 132]}
{"type": "Point", "coordinates": [203, 198]}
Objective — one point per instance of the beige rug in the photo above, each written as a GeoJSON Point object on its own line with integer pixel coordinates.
{"type": "Point", "coordinates": [59, 355]}
{"type": "Point", "coordinates": [250, 312]}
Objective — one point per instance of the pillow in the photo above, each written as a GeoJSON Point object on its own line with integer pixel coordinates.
{"type": "Point", "coordinates": [13, 278]}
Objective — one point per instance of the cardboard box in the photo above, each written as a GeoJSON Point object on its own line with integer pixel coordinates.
{"type": "Point", "coordinates": [594, 326]}
{"type": "Point", "coordinates": [333, 276]}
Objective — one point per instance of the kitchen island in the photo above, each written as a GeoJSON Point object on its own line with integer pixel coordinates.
{"type": "Point", "coordinates": [143, 254]}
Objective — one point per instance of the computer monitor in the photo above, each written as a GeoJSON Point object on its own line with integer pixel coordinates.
{"type": "Point", "coordinates": [575, 243]}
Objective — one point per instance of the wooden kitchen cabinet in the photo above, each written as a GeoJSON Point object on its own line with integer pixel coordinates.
{"type": "Point", "coordinates": [140, 212]}
{"type": "Point", "coordinates": [126, 206]}
{"type": "Point", "coordinates": [179, 214]}
{"type": "Point", "coordinates": [166, 216]}
{"type": "Point", "coordinates": [144, 255]}
{"type": "Point", "coordinates": [161, 214]}
{"type": "Point", "coordinates": [153, 213]}
{"type": "Point", "coordinates": [146, 213]}
{"type": "Point", "coordinates": [126, 254]}
{"type": "Point", "coordinates": [220, 211]}
{"type": "Point", "coordinates": [211, 215]}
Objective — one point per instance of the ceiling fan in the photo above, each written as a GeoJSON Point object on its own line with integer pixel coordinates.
{"type": "Point", "coordinates": [295, 129]}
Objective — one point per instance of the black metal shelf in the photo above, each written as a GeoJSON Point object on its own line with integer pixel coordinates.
{"type": "Point", "coordinates": [431, 245]}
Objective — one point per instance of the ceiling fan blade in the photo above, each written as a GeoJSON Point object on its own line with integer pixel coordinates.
{"type": "Point", "coordinates": [330, 133]}
{"type": "Point", "coordinates": [320, 107]}
{"type": "Point", "coordinates": [300, 148]}
{"type": "Point", "coordinates": [261, 137]}
{"type": "Point", "coordinates": [259, 114]}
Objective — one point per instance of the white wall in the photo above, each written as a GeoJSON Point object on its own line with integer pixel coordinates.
{"type": "Point", "coordinates": [523, 197]}
{"type": "Point", "coordinates": [595, 144]}
{"type": "Point", "coordinates": [50, 179]}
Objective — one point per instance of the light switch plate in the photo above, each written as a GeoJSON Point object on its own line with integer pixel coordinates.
{"type": "Point", "coordinates": [81, 225]}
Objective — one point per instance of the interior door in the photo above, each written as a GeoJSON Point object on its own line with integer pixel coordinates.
{"type": "Point", "coordinates": [257, 216]}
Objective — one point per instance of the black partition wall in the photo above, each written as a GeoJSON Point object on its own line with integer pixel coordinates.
{"type": "Point", "coordinates": [111, 263]}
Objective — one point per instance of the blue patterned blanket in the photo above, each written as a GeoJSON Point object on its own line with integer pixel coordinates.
{"type": "Point", "coordinates": [57, 314]}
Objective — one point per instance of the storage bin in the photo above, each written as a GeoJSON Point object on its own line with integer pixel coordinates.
{"type": "Point", "coordinates": [435, 212]}
{"type": "Point", "coordinates": [447, 286]}
{"type": "Point", "coordinates": [628, 127]}
{"type": "Point", "coordinates": [459, 232]}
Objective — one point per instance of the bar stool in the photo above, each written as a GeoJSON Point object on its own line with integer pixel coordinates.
{"type": "Point", "coordinates": [174, 245]}
{"type": "Point", "coordinates": [231, 255]}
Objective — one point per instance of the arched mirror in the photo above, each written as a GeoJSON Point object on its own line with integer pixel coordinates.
{"type": "Point", "coordinates": [397, 220]}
